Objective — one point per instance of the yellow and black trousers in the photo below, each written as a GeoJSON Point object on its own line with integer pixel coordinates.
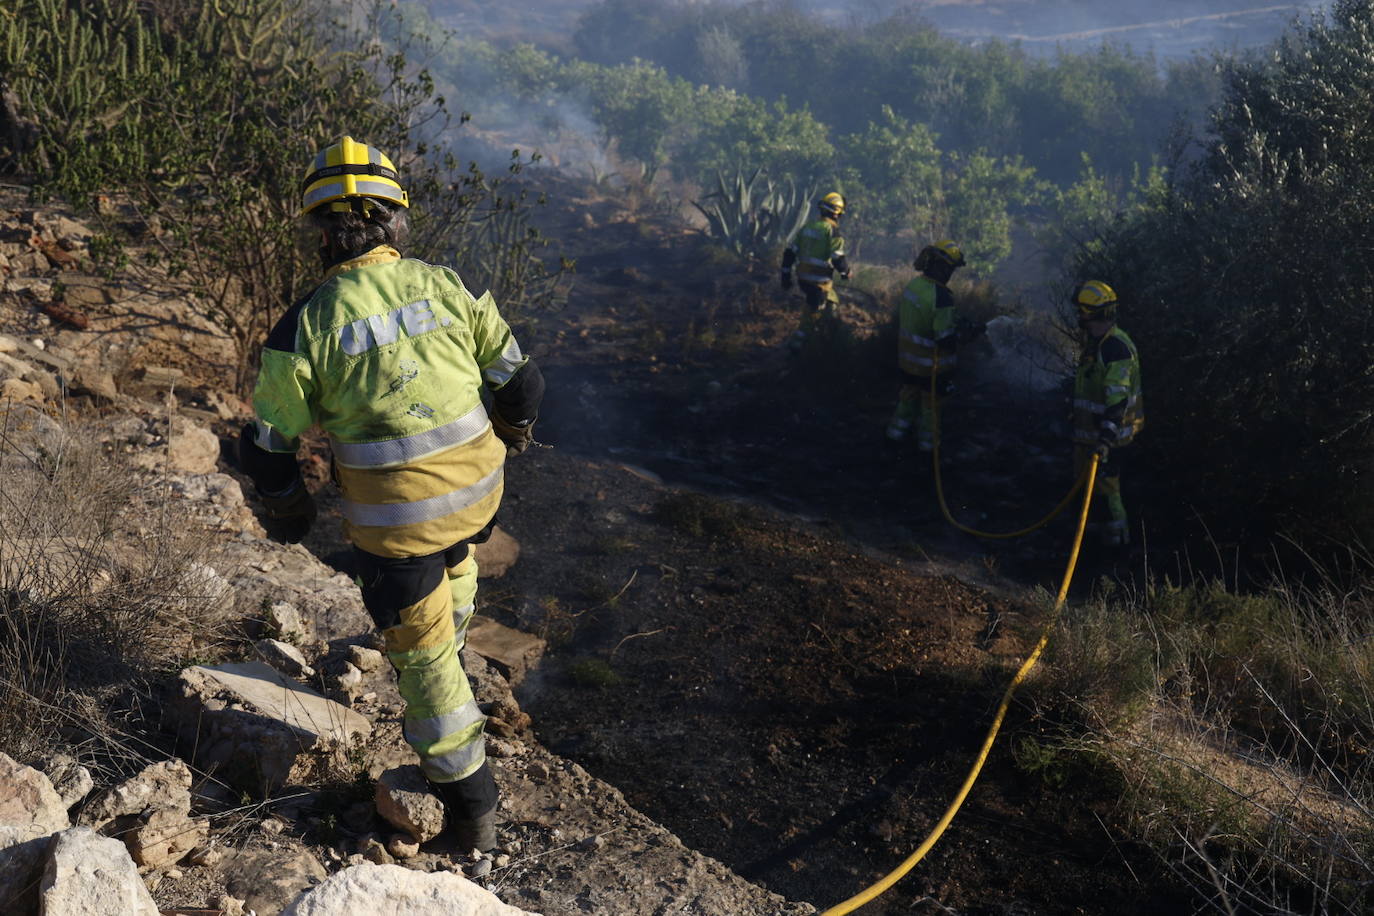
{"type": "Point", "coordinates": [422, 606]}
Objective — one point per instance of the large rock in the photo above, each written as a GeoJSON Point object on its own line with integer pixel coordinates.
{"type": "Point", "coordinates": [27, 799]}
{"type": "Point", "coordinates": [160, 785]}
{"type": "Point", "coordinates": [497, 555]}
{"type": "Point", "coordinates": [151, 813]}
{"type": "Point", "coordinates": [405, 801]}
{"type": "Point", "coordinates": [512, 652]}
{"type": "Point", "coordinates": [91, 875]}
{"type": "Point", "coordinates": [268, 880]}
{"type": "Point", "coordinates": [393, 890]}
{"type": "Point", "coordinates": [257, 728]}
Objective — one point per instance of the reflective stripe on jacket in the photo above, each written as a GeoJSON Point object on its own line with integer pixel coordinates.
{"type": "Point", "coordinates": [1106, 392]}
{"type": "Point", "coordinates": [925, 327]}
{"type": "Point", "coordinates": [388, 356]}
{"type": "Point", "coordinates": [816, 245]}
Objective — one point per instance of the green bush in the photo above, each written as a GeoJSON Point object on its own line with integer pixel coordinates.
{"type": "Point", "coordinates": [1246, 286]}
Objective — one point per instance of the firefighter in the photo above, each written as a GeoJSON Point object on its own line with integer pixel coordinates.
{"type": "Point", "coordinates": [818, 250]}
{"type": "Point", "coordinates": [1108, 412]}
{"type": "Point", "coordinates": [389, 356]}
{"type": "Point", "coordinates": [927, 343]}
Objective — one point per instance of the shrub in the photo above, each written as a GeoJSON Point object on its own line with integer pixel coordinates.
{"type": "Point", "coordinates": [1244, 286]}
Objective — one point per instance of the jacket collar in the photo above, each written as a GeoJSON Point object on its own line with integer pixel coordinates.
{"type": "Point", "coordinates": [379, 255]}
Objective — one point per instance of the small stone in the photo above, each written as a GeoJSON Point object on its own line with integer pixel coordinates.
{"type": "Point", "coordinates": [501, 861]}
{"type": "Point", "coordinates": [592, 843]}
{"type": "Point", "coordinates": [205, 855]}
{"type": "Point", "coordinates": [38, 343]}
{"type": "Point", "coordinates": [479, 869]}
{"type": "Point", "coordinates": [375, 852]}
{"type": "Point", "coordinates": [350, 678]}
{"type": "Point", "coordinates": [229, 905]}
{"type": "Point", "coordinates": [365, 659]}
{"type": "Point", "coordinates": [173, 874]}
{"type": "Point", "coordinates": [272, 826]}
{"type": "Point", "coordinates": [402, 847]}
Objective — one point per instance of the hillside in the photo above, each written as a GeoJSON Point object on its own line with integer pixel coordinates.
{"type": "Point", "coordinates": [808, 768]}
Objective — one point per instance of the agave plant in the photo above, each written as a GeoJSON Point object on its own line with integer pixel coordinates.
{"type": "Point", "coordinates": [753, 215]}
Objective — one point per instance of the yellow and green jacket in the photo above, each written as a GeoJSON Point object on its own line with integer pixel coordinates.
{"type": "Point", "coordinates": [389, 356]}
{"type": "Point", "coordinates": [817, 250]}
{"type": "Point", "coordinates": [1107, 402]}
{"type": "Point", "coordinates": [926, 328]}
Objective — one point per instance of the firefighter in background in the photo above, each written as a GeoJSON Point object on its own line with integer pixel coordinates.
{"type": "Point", "coordinates": [1108, 411]}
{"type": "Point", "coordinates": [818, 252]}
{"type": "Point", "coordinates": [927, 343]}
{"type": "Point", "coordinates": [389, 356]}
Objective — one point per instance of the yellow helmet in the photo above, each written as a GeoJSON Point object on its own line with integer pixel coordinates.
{"type": "Point", "coordinates": [831, 204]}
{"type": "Point", "coordinates": [1095, 299]}
{"type": "Point", "coordinates": [348, 170]}
{"type": "Point", "coordinates": [945, 250]}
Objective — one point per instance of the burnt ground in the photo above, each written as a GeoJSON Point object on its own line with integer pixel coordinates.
{"type": "Point", "coordinates": [761, 629]}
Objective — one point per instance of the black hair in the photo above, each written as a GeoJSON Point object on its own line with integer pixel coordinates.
{"type": "Point", "coordinates": [349, 233]}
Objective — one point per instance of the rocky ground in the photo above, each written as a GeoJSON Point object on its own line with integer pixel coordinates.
{"type": "Point", "coordinates": [766, 660]}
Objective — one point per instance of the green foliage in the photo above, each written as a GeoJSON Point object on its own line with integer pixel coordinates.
{"type": "Point", "coordinates": [1246, 286]}
{"type": "Point", "coordinates": [206, 112]}
{"type": "Point", "coordinates": [981, 196]}
{"type": "Point", "coordinates": [755, 216]}
{"type": "Point", "coordinates": [1116, 105]}
{"type": "Point", "coordinates": [894, 177]}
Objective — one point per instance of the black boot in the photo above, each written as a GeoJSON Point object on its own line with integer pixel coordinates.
{"type": "Point", "coordinates": [471, 806]}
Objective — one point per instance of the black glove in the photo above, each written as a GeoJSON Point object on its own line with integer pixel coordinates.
{"type": "Point", "coordinates": [845, 276]}
{"type": "Point", "coordinates": [289, 513]}
{"type": "Point", "coordinates": [517, 436]}
{"type": "Point", "coordinates": [1104, 445]}
{"type": "Point", "coordinates": [786, 280]}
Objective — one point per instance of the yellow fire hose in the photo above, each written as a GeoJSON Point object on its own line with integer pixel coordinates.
{"type": "Point", "coordinates": [940, 484]}
{"type": "Point", "coordinates": [858, 900]}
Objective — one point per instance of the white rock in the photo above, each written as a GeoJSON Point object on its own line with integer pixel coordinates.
{"type": "Point", "coordinates": [161, 786]}
{"type": "Point", "coordinates": [252, 724]}
{"type": "Point", "coordinates": [392, 890]}
{"type": "Point", "coordinates": [91, 875]}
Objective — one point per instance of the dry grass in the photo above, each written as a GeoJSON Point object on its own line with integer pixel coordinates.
{"type": "Point", "coordinates": [91, 611]}
{"type": "Point", "coordinates": [1235, 729]}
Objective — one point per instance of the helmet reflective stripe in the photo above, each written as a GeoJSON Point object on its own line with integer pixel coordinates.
{"type": "Point", "coordinates": [950, 252]}
{"type": "Point", "coordinates": [1094, 294]}
{"type": "Point", "coordinates": [351, 169]}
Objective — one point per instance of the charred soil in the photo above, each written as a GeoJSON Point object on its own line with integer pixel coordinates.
{"type": "Point", "coordinates": [761, 629]}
